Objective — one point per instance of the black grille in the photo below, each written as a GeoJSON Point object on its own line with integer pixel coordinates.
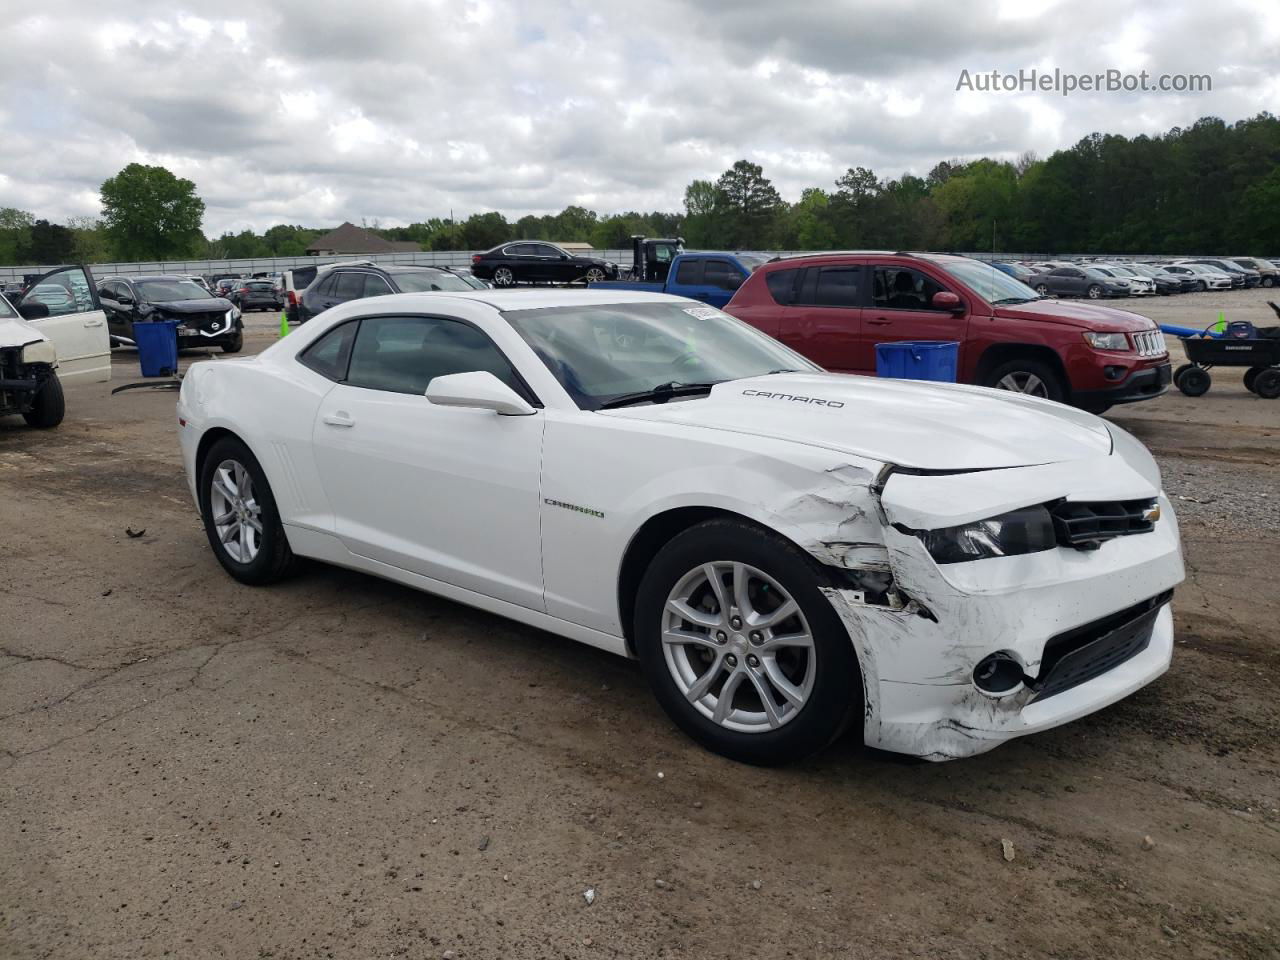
{"type": "Point", "coordinates": [1085, 525]}
{"type": "Point", "coordinates": [1079, 655]}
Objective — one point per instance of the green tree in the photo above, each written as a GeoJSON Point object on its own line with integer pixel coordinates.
{"type": "Point", "coordinates": [51, 243]}
{"type": "Point", "coordinates": [15, 235]}
{"type": "Point", "coordinates": [151, 214]}
{"type": "Point", "coordinates": [484, 230]}
{"type": "Point", "coordinates": [749, 205]}
{"type": "Point", "coordinates": [90, 240]}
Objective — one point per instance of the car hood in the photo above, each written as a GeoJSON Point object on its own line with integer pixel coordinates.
{"type": "Point", "coordinates": [927, 426]}
{"type": "Point", "coordinates": [1086, 316]}
{"type": "Point", "coordinates": [15, 332]}
{"type": "Point", "coordinates": [212, 305]}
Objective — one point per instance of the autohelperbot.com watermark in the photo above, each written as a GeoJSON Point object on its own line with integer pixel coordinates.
{"type": "Point", "coordinates": [1065, 83]}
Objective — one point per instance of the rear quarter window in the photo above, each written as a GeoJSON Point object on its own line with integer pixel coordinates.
{"type": "Point", "coordinates": [782, 286]}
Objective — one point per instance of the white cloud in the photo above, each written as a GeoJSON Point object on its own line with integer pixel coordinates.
{"type": "Point", "coordinates": [314, 111]}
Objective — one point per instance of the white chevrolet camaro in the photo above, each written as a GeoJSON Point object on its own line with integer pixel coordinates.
{"type": "Point", "coordinates": [787, 552]}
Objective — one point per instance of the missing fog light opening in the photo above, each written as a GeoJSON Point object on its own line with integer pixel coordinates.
{"type": "Point", "coordinates": [997, 674]}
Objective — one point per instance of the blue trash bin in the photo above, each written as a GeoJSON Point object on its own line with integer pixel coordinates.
{"type": "Point", "coordinates": [157, 347]}
{"type": "Point", "coordinates": [918, 360]}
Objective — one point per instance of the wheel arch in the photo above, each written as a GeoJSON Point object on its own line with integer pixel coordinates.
{"type": "Point", "coordinates": [659, 530]}
{"type": "Point", "coordinates": [1000, 353]}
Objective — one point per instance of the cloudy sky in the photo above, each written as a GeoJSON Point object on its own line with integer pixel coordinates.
{"type": "Point", "coordinates": [309, 111]}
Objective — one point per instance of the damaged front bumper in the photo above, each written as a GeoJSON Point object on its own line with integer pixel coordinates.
{"type": "Point", "coordinates": [1080, 629]}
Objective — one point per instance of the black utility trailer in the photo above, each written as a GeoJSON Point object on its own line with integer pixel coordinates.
{"type": "Point", "coordinates": [1257, 349]}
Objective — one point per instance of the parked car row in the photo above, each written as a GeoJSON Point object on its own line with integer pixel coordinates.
{"type": "Point", "coordinates": [1097, 279]}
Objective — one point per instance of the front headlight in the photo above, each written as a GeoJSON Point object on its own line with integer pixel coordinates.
{"type": "Point", "coordinates": [1029, 530]}
{"type": "Point", "coordinates": [41, 351]}
{"type": "Point", "coordinates": [233, 314]}
{"type": "Point", "coordinates": [1107, 341]}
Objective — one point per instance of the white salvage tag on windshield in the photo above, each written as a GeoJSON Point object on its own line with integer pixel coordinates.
{"type": "Point", "coordinates": [702, 313]}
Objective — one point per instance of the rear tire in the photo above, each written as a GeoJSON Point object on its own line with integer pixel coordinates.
{"type": "Point", "coordinates": [504, 277]}
{"type": "Point", "coordinates": [1267, 383]}
{"type": "Point", "coordinates": [1042, 289]}
{"type": "Point", "coordinates": [1250, 376]}
{"type": "Point", "coordinates": [50, 405]}
{"type": "Point", "coordinates": [1095, 292]}
{"type": "Point", "coordinates": [691, 679]}
{"type": "Point", "coordinates": [1195, 381]}
{"type": "Point", "coordinates": [264, 554]}
{"type": "Point", "coordinates": [1032, 377]}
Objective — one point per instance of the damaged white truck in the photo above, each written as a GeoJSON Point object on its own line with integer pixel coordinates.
{"type": "Point", "coordinates": [788, 553]}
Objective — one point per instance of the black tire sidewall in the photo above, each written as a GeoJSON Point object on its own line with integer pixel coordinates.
{"type": "Point", "coordinates": [274, 553]}
{"type": "Point", "coordinates": [1267, 389]}
{"type": "Point", "coordinates": [837, 696]}
{"type": "Point", "coordinates": [1054, 387]}
{"type": "Point", "coordinates": [1195, 382]}
{"type": "Point", "coordinates": [50, 405]}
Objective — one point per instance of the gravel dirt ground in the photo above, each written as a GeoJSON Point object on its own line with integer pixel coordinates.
{"type": "Point", "coordinates": [342, 767]}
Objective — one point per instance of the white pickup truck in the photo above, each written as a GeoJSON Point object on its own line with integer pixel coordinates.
{"type": "Point", "coordinates": [55, 332]}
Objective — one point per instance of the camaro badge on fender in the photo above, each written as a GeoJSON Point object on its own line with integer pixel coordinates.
{"type": "Point", "coordinates": [573, 506]}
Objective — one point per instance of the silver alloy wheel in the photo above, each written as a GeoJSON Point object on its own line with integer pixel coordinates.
{"type": "Point", "coordinates": [237, 516]}
{"type": "Point", "coordinates": [503, 277]}
{"type": "Point", "coordinates": [1020, 381]}
{"type": "Point", "coordinates": [595, 275]}
{"type": "Point", "coordinates": [738, 647]}
{"type": "Point", "coordinates": [1095, 292]}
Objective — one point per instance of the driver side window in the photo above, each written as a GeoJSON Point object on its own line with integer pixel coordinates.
{"type": "Point", "coordinates": [901, 288]}
{"type": "Point", "coordinates": [404, 354]}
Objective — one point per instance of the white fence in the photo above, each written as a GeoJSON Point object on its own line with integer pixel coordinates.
{"type": "Point", "coordinates": [451, 258]}
{"type": "Point", "coordinates": [245, 268]}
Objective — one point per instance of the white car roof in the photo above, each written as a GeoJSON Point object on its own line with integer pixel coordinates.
{"type": "Point", "coordinates": [537, 299]}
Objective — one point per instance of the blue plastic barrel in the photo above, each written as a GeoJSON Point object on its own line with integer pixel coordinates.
{"type": "Point", "coordinates": [918, 360]}
{"type": "Point", "coordinates": [157, 347]}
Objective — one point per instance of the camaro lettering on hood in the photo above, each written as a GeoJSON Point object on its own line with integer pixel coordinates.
{"type": "Point", "coordinates": [791, 396]}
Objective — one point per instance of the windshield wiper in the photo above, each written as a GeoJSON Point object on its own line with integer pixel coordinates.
{"type": "Point", "coordinates": [1008, 300]}
{"type": "Point", "coordinates": [659, 394]}
{"type": "Point", "coordinates": [785, 370]}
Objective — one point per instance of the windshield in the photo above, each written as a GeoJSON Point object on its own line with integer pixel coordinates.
{"type": "Point", "coordinates": [602, 352]}
{"type": "Point", "coordinates": [986, 281]}
{"type": "Point", "coordinates": [165, 291]}
{"type": "Point", "coordinates": [428, 280]}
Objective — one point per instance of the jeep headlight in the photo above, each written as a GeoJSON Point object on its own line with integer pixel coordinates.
{"type": "Point", "coordinates": [1029, 530]}
{"type": "Point", "coordinates": [41, 351]}
{"type": "Point", "coordinates": [1107, 341]}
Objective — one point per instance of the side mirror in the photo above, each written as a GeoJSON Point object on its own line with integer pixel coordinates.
{"type": "Point", "coordinates": [564, 256]}
{"type": "Point", "coordinates": [480, 390]}
{"type": "Point", "coordinates": [33, 311]}
{"type": "Point", "coordinates": [946, 300]}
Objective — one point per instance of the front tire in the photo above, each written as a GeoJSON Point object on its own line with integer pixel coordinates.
{"type": "Point", "coordinates": [235, 344]}
{"type": "Point", "coordinates": [1034, 378]}
{"type": "Point", "coordinates": [595, 275]}
{"type": "Point", "coordinates": [240, 515]}
{"type": "Point", "coordinates": [50, 405]}
{"type": "Point", "coordinates": [1095, 292]}
{"type": "Point", "coordinates": [740, 646]}
{"type": "Point", "coordinates": [1042, 289]}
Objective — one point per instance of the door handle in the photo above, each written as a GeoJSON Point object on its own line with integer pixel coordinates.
{"type": "Point", "coordinates": [339, 418]}
{"type": "Point", "coordinates": [93, 323]}
{"type": "Point", "coordinates": [880, 321]}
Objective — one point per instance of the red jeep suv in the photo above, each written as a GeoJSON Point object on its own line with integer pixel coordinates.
{"type": "Point", "coordinates": [835, 307]}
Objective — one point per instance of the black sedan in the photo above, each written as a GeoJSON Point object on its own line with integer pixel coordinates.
{"type": "Point", "coordinates": [1081, 281]}
{"type": "Point", "coordinates": [203, 319]}
{"type": "Point", "coordinates": [532, 261]}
